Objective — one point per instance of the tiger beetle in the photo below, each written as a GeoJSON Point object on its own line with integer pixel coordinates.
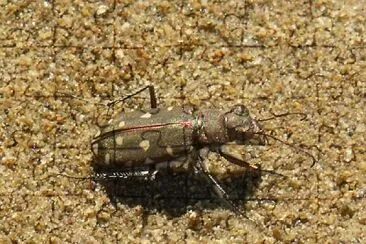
{"type": "Point", "coordinates": [140, 143]}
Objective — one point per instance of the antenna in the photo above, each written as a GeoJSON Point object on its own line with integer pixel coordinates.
{"type": "Point", "coordinates": [292, 146]}
{"type": "Point", "coordinates": [275, 116]}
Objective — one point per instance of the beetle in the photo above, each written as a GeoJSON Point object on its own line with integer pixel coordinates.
{"type": "Point", "coordinates": [141, 143]}
{"type": "Point", "coordinates": [156, 137]}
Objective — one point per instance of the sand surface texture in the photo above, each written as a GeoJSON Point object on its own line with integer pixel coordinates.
{"type": "Point", "coordinates": [60, 61]}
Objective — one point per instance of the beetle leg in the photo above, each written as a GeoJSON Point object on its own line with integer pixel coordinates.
{"type": "Point", "coordinates": [216, 186]}
{"type": "Point", "coordinates": [153, 102]}
{"type": "Point", "coordinates": [151, 88]}
{"type": "Point", "coordinates": [142, 173]}
{"type": "Point", "coordinates": [234, 160]}
{"type": "Point", "coordinates": [243, 163]}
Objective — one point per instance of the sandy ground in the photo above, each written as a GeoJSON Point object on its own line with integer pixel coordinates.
{"type": "Point", "coordinates": [60, 61]}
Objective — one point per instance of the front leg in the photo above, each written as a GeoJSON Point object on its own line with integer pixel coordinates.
{"type": "Point", "coordinates": [234, 160]}
{"type": "Point", "coordinates": [243, 163]}
{"type": "Point", "coordinates": [219, 190]}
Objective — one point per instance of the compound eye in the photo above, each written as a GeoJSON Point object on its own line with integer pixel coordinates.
{"type": "Point", "coordinates": [241, 110]}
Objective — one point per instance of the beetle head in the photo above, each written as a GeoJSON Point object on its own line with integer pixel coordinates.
{"type": "Point", "coordinates": [241, 127]}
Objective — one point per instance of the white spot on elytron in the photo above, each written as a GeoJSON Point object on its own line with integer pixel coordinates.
{"type": "Point", "coordinates": [95, 148]}
{"type": "Point", "coordinates": [149, 161]}
{"type": "Point", "coordinates": [169, 150]}
{"type": "Point", "coordinates": [107, 158]}
{"type": "Point", "coordinates": [119, 140]}
{"type": "Point", "coordinates": [110, 121]}
{"type": "Point", "coordinates": [121, 124]}
{"type": "Point", "coordinates": [145, 144]}
{"type": "Point", "coordinates": [170, 108]}
{"type": "Point", "coordinates": [146, 116]}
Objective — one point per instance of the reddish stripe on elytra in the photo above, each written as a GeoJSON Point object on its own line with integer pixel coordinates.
{"type": "Point", "coordinates": [185, 124]}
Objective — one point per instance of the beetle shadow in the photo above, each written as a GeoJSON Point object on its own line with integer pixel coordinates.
{"type": "Point", "coordinates": [176, 193]}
